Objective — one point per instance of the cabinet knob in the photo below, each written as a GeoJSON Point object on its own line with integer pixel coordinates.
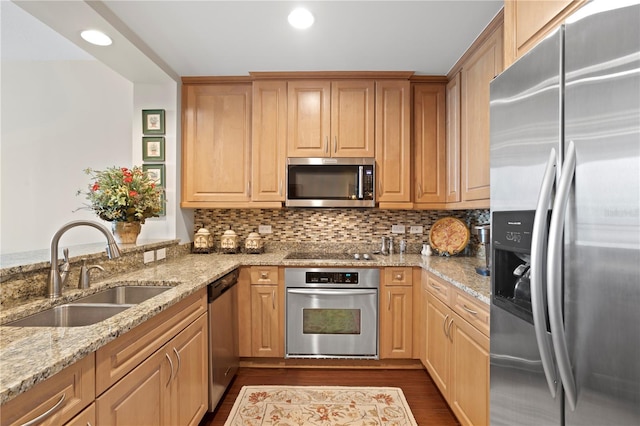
{"type": "Point", "coordinates": [399, 277]}
{"type": "Point", "coordinates": [264, 275]}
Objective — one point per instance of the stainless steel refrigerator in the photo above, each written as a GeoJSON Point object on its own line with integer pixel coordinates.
{"type": "Point", "coordinates": [565, 208]}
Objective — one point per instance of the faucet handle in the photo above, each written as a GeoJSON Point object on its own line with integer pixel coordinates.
{"type": "Point", "coordinates": [85, 279]}
{"type": "Point", "coordinates": [64, 268]}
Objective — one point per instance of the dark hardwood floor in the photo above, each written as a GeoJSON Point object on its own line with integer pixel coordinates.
{"type": "Point", "coordinates": [426, 402]}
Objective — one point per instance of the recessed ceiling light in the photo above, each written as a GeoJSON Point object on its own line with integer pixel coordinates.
{"type": "Point", "coordinates": [301, 18]}
{"type": "Point", "coordinates": [96, 37]}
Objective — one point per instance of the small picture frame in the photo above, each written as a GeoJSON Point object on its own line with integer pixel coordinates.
{"type": "Point", "coordinates": [153, 121]}
{"type": "Point", "coordinates": [163, 203]}
{"type": "Point", "coordinates": [153, 149]}
{"type": "Point", "coordinates": [155, 172]}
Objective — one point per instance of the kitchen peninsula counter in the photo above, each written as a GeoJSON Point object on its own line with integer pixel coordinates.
{"type": "Point", "coordinates": [29, 355]}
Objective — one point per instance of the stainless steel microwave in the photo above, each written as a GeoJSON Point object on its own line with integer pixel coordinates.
{"type": "Point", "coordinates": [331, 182]}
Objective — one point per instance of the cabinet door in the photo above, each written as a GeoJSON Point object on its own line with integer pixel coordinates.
{"type": "Point", "coordinates": [469, 391]}
{"type": "Point", "coordinates": [269, 140]}
{"type": "Point", "coordinates": [309, 118]}
{"type": "Point", "coordinates": [266, 339]}
{"type": "Point", "coordinates": [438, 344]}
{"type": "Point", "coordinates": [189, 387]}
{"type": "Point", "coordinates": [477, 73]}
{"type": "Point", "coordinates": [429, 142]}
{"type": "Point", "coordinates": [396, 322]}
{"type": "Point", "coordinates": [86, 418]}
{"type": "Point", "coordinates": [528, 22]}
{"type": "Point", "coordinates": [452, 192]}
{"type": "Point", "coordinates": [216, 144]}
{"type": "Point", "coordinates": [352, 118]}
{"type": "Point", "coordinates": [141, 398]}
{"type": "Point", "coordinates": [393, 143]}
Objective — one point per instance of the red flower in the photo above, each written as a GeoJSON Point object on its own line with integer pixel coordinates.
{"type": "Point", "coordinates": [133, 193]}
{"type": "Point", "coordinates": [124, 169]}
{"type": "Point", "coordinates": [128, 179]}
{"type": "Point", "coordinates": [95, 187]}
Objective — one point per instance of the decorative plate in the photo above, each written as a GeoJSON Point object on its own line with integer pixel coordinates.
{"type": "Point", "coordinates": [449, 235]}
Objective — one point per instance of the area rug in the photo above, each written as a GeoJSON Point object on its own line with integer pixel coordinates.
{"type": "Point", "coordinates": [324, 405]}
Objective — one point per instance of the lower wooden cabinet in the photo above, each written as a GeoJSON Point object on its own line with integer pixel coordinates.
{"type": "Point", "coordinates": [168, 388]}
{"type": "Point", "coordinates": [457, 352]}
{"type": "Point", "coordinates": [56, 400]}
{"type": "Point", "coordinates": [396, 313]}
{"type": "Point", "coordinates": [86, 418]}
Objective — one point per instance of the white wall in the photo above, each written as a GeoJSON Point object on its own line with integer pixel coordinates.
{"type": "Point", "coordinates": [58, 118]}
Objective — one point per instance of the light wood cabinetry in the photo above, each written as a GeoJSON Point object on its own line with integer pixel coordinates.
{"type": "Point", "coordinates": [393, 143]}
{"type": "Point", "coordinates": [269, 141]}
{"type": "Point", "coordinates": [396, 313]}
{"type": "Point", "coordinates": [467, 120]}
{"type": "Point", "coordinates": [86, 418]}
{"type": "Point", "coordinates": [429, 144]}
{"type": "Point", "coordinates": [56, 400]}
{"type": "Point", "coordinates": [262, 325]}
{"type": "Point", "coordinates": [527, 22]}
{"type": "Point", "coordinates": [157, 373]}
{"type": "Point", "coordinates": [331, 118]}
{"type": "Point", "coordinates": [216, 145]}
{"type": "Point", "coordinates": [457, 348]}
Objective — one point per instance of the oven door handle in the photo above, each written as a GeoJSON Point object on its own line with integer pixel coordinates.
{"type": "Point", "coordinates": [331, 292]}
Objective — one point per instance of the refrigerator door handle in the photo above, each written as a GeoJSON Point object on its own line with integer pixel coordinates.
{"type": "Point", "coordinates": [538, 304]}
{"type": "Point", "coordinates": [554, 276]}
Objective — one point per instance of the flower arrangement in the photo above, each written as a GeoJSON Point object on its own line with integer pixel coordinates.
{"type": "Point", "coordinates": [119, 194]}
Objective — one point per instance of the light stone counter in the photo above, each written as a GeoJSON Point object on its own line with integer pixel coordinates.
{"type": "Point", "coordinates": [29, 355]}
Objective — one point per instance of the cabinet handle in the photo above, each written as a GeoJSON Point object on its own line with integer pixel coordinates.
{"type": "Point", "coordinates": [47, 413]}
{"type": "Point", "coordinates": [449, 330]}
{"type": "Point", "coordinates": [471, 311]}
{"type": "Point", "coordinates": [379, 177]}
{"type": "Point", "coordinates": [444, 325]}
{"type": "Point", "coordinates": [273, 299]}
{"type": "Point", "coordinates": [264, 275]}
{"type": "Point", "coordinates": [171, 364]}
{"type": "Point", "coordinates": [399, 277]}
{"type": "Point", "coordinates": [388, 300]}
{"type": "Point", "coordinates": [437, 287]}
{"type": "Point", "coordinates": [280, 188]}
{"type": "Point", "coordinates": [419, 190]}
{"type": "Point", "coordinates": [248, 188]}
{"type": "Point", "coordinates": [326, 144]}
{"type": "Point", "coordinates": [175, 351]}
{"type": "Point", "coordinates": [335, 144]}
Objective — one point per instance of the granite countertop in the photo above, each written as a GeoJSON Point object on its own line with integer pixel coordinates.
{"type": "Point", "coordinates": [59, 347]}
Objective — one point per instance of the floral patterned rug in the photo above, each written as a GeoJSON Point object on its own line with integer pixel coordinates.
{"type": "Point", "coordinates": [311, 405]}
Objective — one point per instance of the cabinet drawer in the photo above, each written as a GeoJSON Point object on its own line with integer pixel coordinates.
{"type": "Point", "coordinates": [86, 418]}
{"type": "Point", "coordinates": [398, 276]}
{"type": "Point", "coordinates": [264, 275]}
{"type": "Point", "coordinates": [62, 396]}
{"type": "Point", "coordinates": [119, 357]}
{"type": "Point", "coordinates": [439, 289]}
{"type": "Point", "coordinates": [473, 311]}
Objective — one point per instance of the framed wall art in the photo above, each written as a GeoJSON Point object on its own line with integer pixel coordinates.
{"type": "Point", "coordinates": [153, 122]}
{"type": "Point", "coordinates": [155, 172]}
{"type": "Point", "coordinates": [153, 149]}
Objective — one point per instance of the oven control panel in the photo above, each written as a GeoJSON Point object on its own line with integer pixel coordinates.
{"type": "Point", "coordinates": [331, 278]}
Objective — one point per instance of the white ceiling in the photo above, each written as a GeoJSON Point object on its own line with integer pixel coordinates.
{"type": "Point", "coordinates": [193, 38]}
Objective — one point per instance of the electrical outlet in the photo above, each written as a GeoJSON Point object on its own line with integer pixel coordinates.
{"type": "Point", "coordinates": [161, 254]}
{"type": "Point", "coordinates": [149, 256]}
{"type": "Point", "coordinates": [416, 229]}
{"type": "Point", "coordinates": [264, 229]}
{"type": "Point", "coordinates": [397, 229]}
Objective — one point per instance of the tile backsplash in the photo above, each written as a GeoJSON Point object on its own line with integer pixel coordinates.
{"type": "Point", "coordinates": [362, 227]}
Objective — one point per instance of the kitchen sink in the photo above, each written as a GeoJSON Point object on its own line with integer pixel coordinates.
{"type": "Point", "coordinates": [70, 315]}
{"type": "Point", "coordinates": [91, 309]}
{"type": "Point", "coordinates": [126, 294]}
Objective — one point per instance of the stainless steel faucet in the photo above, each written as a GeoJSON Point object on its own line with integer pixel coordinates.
{"type": "Point", "coordinates": [58, 275]}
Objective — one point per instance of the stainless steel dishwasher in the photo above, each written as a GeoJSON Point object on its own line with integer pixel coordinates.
{"type": "Point", "coordinates": [223, 335]}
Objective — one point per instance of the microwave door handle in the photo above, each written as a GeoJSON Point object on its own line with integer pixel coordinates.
{"type": "Point", "coordinates": [538, 260]}
{"type": "Point", "coordinates": [360, 182]}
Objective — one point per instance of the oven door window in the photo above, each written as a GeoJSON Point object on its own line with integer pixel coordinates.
{"type": "Point", "coordinates": [331, 321]}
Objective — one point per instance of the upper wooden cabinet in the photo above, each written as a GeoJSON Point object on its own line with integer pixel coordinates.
{"type": "Point", "coordinates": [452, 192]}
{"type": "Point", "coordinates": [331, 118]}
{"type": "Point", "coordinates": [393, 143]}
{"type": "Point", "coordinates": [429, 155]}
{"type": "Point", "coordinates": [269, 140]}
{"type": "Point", "coordinates": [482, 66]}
{"type": "Point", "coordinates": [527, 22]}
{"type": "Point", "coordinates": [216, 144]}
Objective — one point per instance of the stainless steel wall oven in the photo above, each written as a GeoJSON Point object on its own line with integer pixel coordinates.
{"type": "Point", "coordinates": [332, 312]}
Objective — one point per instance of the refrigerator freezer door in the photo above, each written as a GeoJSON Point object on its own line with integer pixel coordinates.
{"type": "Point", "coordinates": [525, 125]}
{"type": "Point", "coordinates": [602, 226]}
{"type": "Point", "coordinates": [525, 129]}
